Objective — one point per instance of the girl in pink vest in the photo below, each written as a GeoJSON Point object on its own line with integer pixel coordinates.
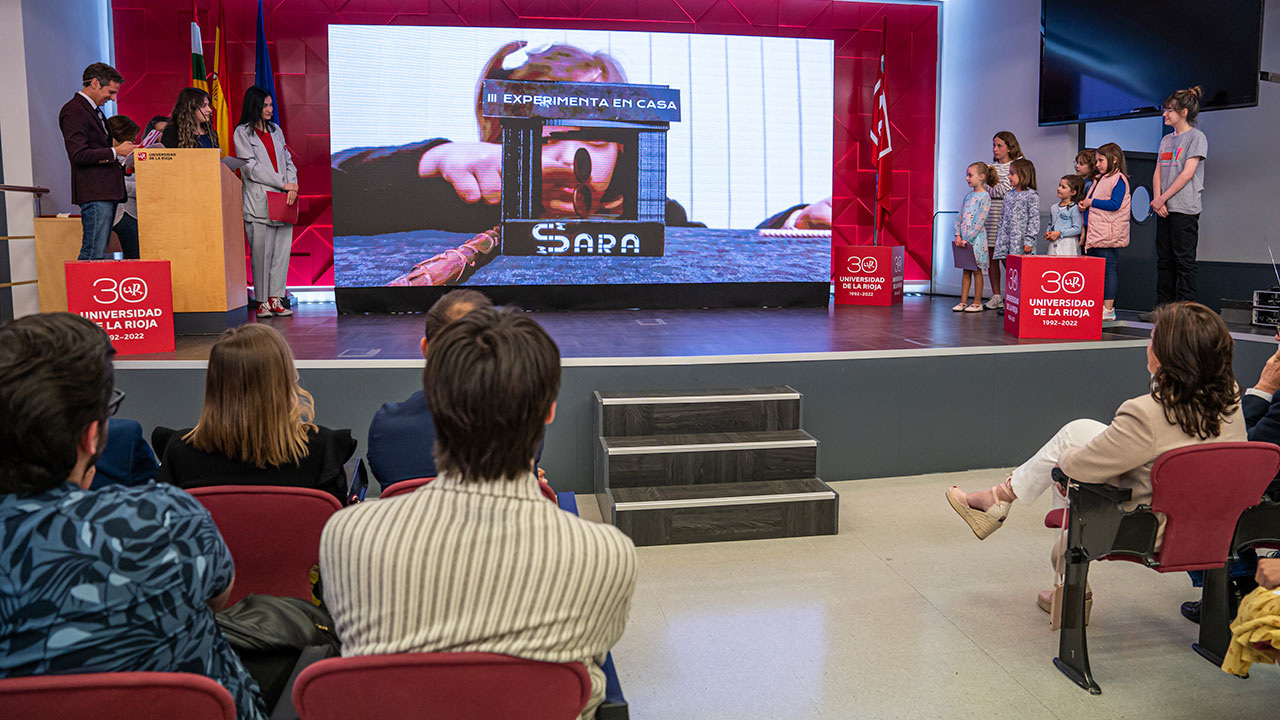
{"type": "Point", "coordinates": [1107, 205]}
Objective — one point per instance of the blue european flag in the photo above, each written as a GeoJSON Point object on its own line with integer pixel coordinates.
{"type": "Point", "coordinates": [262, 76]}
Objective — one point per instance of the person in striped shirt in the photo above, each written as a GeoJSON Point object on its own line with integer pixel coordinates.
{"type": "Point", "coordinates": [478, 560]}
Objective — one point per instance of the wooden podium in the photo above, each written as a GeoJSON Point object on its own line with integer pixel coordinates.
{"type": "Point", "coordinates": [190, 212]}
{"type": "Point", "coordinates": [57, 243]}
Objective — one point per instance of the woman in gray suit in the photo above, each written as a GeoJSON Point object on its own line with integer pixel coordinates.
{"type": "Point", "coordinates": [269, 168]}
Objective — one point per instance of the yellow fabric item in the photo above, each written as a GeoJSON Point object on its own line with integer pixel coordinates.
{"type": "Point", "coordinates": [1255, 634]}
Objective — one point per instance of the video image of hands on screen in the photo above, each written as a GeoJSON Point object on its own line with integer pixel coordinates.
{"type": "Point", "coordinates": [487, 156]}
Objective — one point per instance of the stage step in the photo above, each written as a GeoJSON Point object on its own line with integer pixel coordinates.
{"type": "Point", "coordinates": [714, 512]}
{"type": "Point", "coordinates": [705, 465]}
{"type": "Point", "coordinates": [701, 458]}
{"type": "Point", "coordinates": [674, 412]}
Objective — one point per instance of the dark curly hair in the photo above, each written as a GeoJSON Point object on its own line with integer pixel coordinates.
{"type": "Point", "coordinates": [55, 381]}
{"type": "Point", "coordinates": [1195, 383]}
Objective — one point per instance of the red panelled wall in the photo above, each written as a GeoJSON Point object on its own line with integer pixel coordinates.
{"type": "Point", "coordinates": [153, 53]}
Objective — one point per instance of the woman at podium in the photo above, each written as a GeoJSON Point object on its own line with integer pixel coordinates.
{"type": "Point", "coordinates": [270, 199]}
{"type": "Point", "coordinates": [190, 123]}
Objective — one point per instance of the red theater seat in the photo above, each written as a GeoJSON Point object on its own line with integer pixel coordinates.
{"type": "Point", "coordinates": [403, 487]}
{"type": "Point", "coordinates": [1202, 490]}
{"type": "Point", "coordinates": [116, 696]}
{"type": "Point", "coordinates": [458, 686]}
{"type": "Point", "coordinates": [408, 486]}
{"type": "Point", "coordinates": [273, 533]}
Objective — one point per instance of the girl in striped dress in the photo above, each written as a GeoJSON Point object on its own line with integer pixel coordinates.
{"type": "Point", "coordinates": [1004, 150]}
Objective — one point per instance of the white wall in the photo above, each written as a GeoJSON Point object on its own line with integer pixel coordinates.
{"type": "Point", "coordinates": [44, 47]}
{"type": "Point", "coordinates": [989, 81]}
{"type": "Point", "coordinates": [15, 141]}
{"type": "Point", "coordinates": [62, 38]}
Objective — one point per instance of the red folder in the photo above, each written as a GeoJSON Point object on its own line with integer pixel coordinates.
{"type": "Point", "coordinates": [279, 211]}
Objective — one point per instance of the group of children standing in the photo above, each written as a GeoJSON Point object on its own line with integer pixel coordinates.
{"type": "Point", "coordinates": [1000, 215]}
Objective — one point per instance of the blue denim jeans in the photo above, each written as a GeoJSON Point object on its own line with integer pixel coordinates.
{"type": "Point", "coordinates": [1110, 281]}
{"type": "Point", "coordinates": [127, 231]}
{"type": "Point", "coordinates": [96, 219]}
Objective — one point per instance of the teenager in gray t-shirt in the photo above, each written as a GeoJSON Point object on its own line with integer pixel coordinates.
{"type": "Point", "coordinates": [1178, 182]}
{"type": "Point", "coordinates": [1175, 150]}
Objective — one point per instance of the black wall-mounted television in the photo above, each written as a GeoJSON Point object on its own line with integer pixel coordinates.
{"type": "Point", "coordinates": [1110, 59]}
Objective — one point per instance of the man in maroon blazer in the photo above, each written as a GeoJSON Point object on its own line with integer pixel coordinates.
{"type": "Point", "coordinates": [97, 177]}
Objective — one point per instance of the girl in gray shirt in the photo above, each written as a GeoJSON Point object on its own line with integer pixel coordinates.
{"type": "Point", "coordinates": [1177, 184]}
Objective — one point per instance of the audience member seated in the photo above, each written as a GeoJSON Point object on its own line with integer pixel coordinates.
{"type": "Point", "coordinates": [539, 583]}
{"type": "Point", "coordinates": [255, 428]}
{"type": "Point", "coordinates": [1193, 399]}
{"type": "Point", "coordinates": [402, 434]}
{"type": "Point", "coordinates": [118, 580]}
{"type": "Point", "coordinates": [127, 459]}
{"type": "Point", "coordinates": [1262, 422]}
{"type": "Point", "coordinates": [1261, 407]}
{"type": "Point", "coordinates": [1268, 576]}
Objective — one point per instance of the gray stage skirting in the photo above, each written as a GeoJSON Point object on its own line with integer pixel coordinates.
{"type": "Point", "coordinates": [876, 414]}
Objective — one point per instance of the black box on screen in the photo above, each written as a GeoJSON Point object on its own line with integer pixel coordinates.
{"type": "Point", "coordinates": [583, 238]}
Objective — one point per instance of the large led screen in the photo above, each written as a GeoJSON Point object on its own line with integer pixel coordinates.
{"type": "Point", "coordinates": [491, 157]}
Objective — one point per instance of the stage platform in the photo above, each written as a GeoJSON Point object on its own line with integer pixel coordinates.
{"type": "Point", "coordinates": [887, 391]}
{"type": "Point", "coordinates": [317, 332]}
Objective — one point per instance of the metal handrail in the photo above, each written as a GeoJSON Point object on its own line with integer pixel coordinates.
{"type": "Point", "coordinates": [36, 192]}
{"type": "Point", "coordinates": [933, 228]}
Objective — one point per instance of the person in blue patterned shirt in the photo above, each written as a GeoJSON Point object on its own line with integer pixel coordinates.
{"type": "Point", "coordinates": [113, 580]}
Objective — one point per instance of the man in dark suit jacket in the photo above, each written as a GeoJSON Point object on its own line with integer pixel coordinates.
{"type": "Point", "coordinates": [402, 435]}
{"type": "Point", "coordinates": [97, 177]}
{"type": "Point", "coordinates": [1260, 405]}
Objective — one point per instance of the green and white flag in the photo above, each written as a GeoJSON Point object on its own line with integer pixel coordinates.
{"type": "Point", "coordinates": [198, 74]}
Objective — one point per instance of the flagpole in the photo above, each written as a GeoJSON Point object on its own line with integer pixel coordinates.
{"type": "Point", "coordinates": [881, 135]}
{"type": "Point", "coordinates": [875, 222]}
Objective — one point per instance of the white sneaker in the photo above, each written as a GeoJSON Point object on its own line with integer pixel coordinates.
{"type": "Point", "coordinates": [1108, 315]}
{"type": "Point", "coordinates": [995, 302]}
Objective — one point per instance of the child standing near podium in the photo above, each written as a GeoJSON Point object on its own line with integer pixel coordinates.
{"type": "Point", "coordinates": [971, 231]}
{"type": "Point", "coordinates": [1065, 229]}
{"type": "Point", "coordinates": [122, 130]}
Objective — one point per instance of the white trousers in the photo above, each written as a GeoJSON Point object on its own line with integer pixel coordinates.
{"type": "Point", "coordinates": [1033, 477]}
{"type": "Point", "coordinates": [269, 247]}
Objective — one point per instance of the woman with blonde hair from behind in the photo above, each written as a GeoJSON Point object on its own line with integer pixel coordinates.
{"type": "Point", "coordinates": [256, 426]}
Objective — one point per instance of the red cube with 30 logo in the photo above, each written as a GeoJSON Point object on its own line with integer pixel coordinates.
{"type": "Point", "coordinates": [1054, 297]}
{"type": "Point", "coordinates": [131, 299]}
{"type": "Point", "coordinates": [868, 274]}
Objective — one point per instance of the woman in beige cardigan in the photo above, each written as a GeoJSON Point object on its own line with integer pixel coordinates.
{"type": "Point", "coordinates": [1193, 399]}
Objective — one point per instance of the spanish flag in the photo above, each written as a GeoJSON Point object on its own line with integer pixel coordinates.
{"type": "Point", "coordinates": [198, 73]}
{"type": "Point", "coordinates": [218, 97]}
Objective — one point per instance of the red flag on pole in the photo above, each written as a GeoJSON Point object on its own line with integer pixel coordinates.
{"type": "Point", "coordinates": [881, 141]}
